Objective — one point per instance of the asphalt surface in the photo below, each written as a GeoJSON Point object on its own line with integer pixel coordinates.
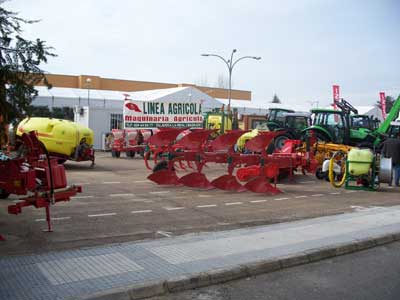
{"type": "Point", "coordinates": [367, 275]}
{"type": "Point", "coordinates": [119, 204]}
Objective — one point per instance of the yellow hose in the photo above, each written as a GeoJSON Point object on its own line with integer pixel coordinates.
{"type": "Point", "coordinates": [331, 174]}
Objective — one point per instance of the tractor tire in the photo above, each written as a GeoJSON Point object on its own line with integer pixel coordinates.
{"type": "Point", "coordinates": [368, 145]}
{"type": "Point", "coordinates": [319, 174]}
{"type": "Point", "coordinates": [4, 194]}
{"type": "Point", "coordinates": [130, 154]}
{"type": "Point", "coordinates": [61, 161]}
{"type": "Point", "coordinates": [279, 141]}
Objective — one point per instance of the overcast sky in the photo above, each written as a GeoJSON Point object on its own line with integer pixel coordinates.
{"type": "Point", "coordinates": [305, 45]}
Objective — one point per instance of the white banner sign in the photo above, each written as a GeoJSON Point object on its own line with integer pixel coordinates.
{"type": "Point", "coordinates": [153, 114]}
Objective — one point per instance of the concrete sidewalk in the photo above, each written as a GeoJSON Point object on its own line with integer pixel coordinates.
{"type": "Point", "coordinates": [141, 269]}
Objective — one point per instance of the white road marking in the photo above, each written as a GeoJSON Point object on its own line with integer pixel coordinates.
{"type": "Point", "coordinates": [141, 211]}
{"type": "Point", "coordinates": [53, 219]}
{"type": "Point", "coordinates": [61, 218]}
{"type": "Point", "coordinates": [111, 182]}
{"type": "Point", "coordinates": [307, 181]}
{"type": "Point", "coordinates": [233, 203]}
{"type": "Point", "coordinates": [102, 215]}
{"type": "Point", "coordinates": [174, 208]}
{"type": "Point", "coordinates": [159, 192]}
{"type": "Point", "coordinates": [205, 206]}
{"type": "Point", "coordinates": [81, 183]}
{"type": "Point", "coordinates": [317, 195]}
{"type": "Point", "coordinates": [81, 197]}
{"type": "Point", "coordinates": [335, 193]}
{"type": "Point", "coordinates": [279, 199]}
{"type": "Point", "coordinates": [164, 233]}
{"type": "Point", "coordinates": [121, 195]}
{"type": "Point", "coordinates": [258, 201]}
{"type": "Point", "coordinates": [348, 192]}
{"type": "Point", "coordinates": [302, 196]}
{"type": "Point", "coordinates": [204, 196]}
{"type": "Point", "coordinates": [141, 181]}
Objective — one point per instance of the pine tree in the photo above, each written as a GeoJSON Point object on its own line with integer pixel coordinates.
{"type": "Point", "coordinates": [389, 103]}
{"type": "Point", "coordinates": [275, 99]}
{"type": "Point", "coordinates": [20, 71]}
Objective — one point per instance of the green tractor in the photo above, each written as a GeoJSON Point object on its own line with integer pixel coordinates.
{"type": "Point", "coordinates": [346, 126]}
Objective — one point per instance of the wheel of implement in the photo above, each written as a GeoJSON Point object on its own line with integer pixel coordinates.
{"type": "Point", "coordinates": [339, 157]}
{"type": "Point", "coordinates": [4, 194]}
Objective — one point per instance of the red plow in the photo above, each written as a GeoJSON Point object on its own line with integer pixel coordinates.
{"type": "Point", "coordinates": [173, 148]}
{"type": "Point", "coordinates": [36, 174]}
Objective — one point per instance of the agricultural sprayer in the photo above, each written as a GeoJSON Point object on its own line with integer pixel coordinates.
{"type": "Point", "coordinates": [179, 149]}
{"type": "Point", "coordinates": [36, 174]}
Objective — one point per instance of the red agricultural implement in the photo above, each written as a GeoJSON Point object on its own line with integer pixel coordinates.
{"type": "Point", "coordinates": [258, 169]}
{"type": "Point", "coordinates": [35, 174]}
{"type": "Point", "coordinates": [130, 141]}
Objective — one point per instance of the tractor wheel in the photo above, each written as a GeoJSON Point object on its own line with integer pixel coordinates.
{"type": "Point", "coordinates": [3, 194]}
{"type": "Point", "coordinates": [279, 141]}
{"type": "Point", "coordinates": [319, 174]}
{"type": "Point", "coordinates": [368, 145]}
{"type": "Point", "coordinates": [130, 154]}
{"type": "Point", "coordinates": [322, 137]}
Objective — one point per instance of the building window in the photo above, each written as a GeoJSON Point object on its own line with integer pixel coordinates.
{"type": "Point", "coordinates": [116, 121]}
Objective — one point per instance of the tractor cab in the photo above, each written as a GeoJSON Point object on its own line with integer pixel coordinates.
{"type": "Point", "coordinates": [296, 121]}
{"type": "Point", "coordinates": [276, 117]}
{"type": "Point", "coordinates": [329, 125]}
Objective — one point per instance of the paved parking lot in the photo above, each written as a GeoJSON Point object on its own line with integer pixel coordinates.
{"type": "Point", "coordinates": [118, 204]}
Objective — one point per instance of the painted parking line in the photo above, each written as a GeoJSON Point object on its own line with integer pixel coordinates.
{"type": "Point", "coordinates": [317, 195]}
{"type": "Point", "coordinates": [334, 193]}
{"type": "Point", "coordinates": [121, 195]}
{"type": "Point", "coordinates": [159, 192]}
{"type": "Point", "coordinates": [233, 203]}
{"type": "Point", "coordinates": [258, 201]}
{"type": "Point", "coordinates": [141, 211]}
{"type": "Point", "coordinates": [53, 219]}
{"type": "Point", "coordinates": [174, 208]}
{"type": "Point", "coordinates": [280, 199]}
{"type": "Point", "coordinates": [102, 215]}
{"type": "Point", "coordinates": [301, 196]}
{"type": "Point", "coordinates": [205, 206]}
{"type": "Point", "coordinates": [82, 197]}
{"type": "Point", "coordinates": [111, 182]}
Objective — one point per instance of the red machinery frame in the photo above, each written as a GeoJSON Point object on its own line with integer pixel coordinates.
{"type": "Point", "coordinates": [258, 167]}
{"type": "Point", "coordinates": [37, 175]}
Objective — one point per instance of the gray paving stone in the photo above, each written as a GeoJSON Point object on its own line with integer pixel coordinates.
{"type": "Point", "coordinates": [73, 273]}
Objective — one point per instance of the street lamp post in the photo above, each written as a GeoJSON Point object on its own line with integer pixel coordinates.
{"type": "Point", "coordinates": [88, 82]}
{"type": "Point", "coordinates": [230, 63]}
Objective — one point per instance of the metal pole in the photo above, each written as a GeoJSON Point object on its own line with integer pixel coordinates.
{"type": "Point", "coordinates": [88, 96]}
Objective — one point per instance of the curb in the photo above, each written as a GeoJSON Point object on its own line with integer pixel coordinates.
{"type": "Point", "coordinates": [217, 276]}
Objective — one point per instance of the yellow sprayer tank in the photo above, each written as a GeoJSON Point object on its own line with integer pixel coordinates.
{"type": "Point", "coordinates": [360, 161]}
{"type": "Point", "coordinates": [59, 136]}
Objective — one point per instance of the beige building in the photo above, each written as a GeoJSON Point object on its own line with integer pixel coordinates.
{"type": "Point", "coordinates": [99, 83]}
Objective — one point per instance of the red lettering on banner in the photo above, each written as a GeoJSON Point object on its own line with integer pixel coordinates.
{"type": "Point", "coordinates": [383, 104]}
